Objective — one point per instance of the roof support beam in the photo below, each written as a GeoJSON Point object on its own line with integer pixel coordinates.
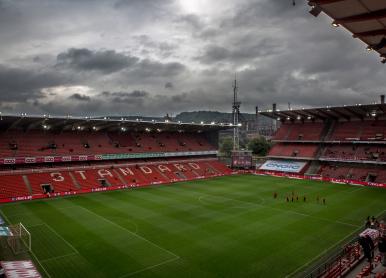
{"type": "Point", "coordinates": [15, 123]}
{"type": "Point", "coordinates": [35, 124]}
{"type": "Point", "coordinates": [316, 115]}
{"type": "Point", "coordinates": [382, 108]}
{"type": "Point", "coordinates": [345, 116]}
{"type": "Point", "coordinates": [362, 17]}
{"type": "Point", "coordinates": [323, 2]}
{"type": "Point", "coordinates": [356, 114]}
{"type": "Point", "coordinates": [321, 111]}
{"type": "Point", "coordinates": [373, 33]}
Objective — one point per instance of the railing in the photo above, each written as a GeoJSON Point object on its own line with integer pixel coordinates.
{"type": "Point", "coordinates": [98, 166]}
{"type": "Point", "coordinates": [337, 261]}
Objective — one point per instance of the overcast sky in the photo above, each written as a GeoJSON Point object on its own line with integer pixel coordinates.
{"type": "Point", "coordinates": [152, 57]}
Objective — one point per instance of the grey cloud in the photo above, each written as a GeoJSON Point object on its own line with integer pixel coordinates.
{"type": "Point", "coordinates": [280, 52]}
{"type": "Point", "coordinates": [215, 53]}
{"type": "Point", "coordinates": [106, 61]}
{"type": "Point", "coordinates": [169, 85]}
{"type": "Point", "coordinates": [20, 84]}
{"type": "Point", "coordinates": [191, 20]}
{"type": "Point", "coordinates": [248, 48]}
{"type": "Point", "coordinates": [148, 69]}
{"type": "Point", "coordinates": [125, 97]}
{"type": "Point", "coordinates": [80, 97]}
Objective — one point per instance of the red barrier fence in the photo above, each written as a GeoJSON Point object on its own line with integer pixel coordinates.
{"type": "Point", "coordinates": [319, 178]}
{"type": "Point", "coordinates": [99, 189]}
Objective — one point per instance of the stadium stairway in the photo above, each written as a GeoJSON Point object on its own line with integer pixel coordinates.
{"type": "Point", "coordinates": [363, 269]}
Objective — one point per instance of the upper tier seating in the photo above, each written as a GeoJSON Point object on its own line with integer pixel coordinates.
{"type": "Point", "coordinates": [60, 180]}
{"type": "Point", "coordinates": [294, 150]}
{"type": "Point", "coordinates": [300, 131]}
{"type": "Point", "coordinates": [36, 143]}
{"type": "Point", "coordinates": [342, 131]}
{"type": "Point", "coordinates": [359, 130]}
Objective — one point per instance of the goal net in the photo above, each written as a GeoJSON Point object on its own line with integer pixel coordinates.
{"type": "Point", "coordinates": [19, 239]}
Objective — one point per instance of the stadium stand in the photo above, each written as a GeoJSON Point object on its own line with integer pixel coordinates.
{"type": "Point", "coordinates": [345, 142]}
{"type": "Point", "coordinates": [293, 150]}
{"type": "Point", "coordinates": [35, 143]}
{"type": "Point", "coordinates": [99, 176]}
{"type": "Point", "coordinates": [46, 157]}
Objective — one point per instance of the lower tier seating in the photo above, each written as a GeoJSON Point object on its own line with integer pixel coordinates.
{"type": "Point", "coordinates": [141, 173]}
{"type": "Point", "coordinates": [356, 152]}
{"type": "Point", "coordinates": [354, 172]}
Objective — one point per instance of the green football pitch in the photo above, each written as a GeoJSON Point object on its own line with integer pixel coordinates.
{"type": "Point", "coordinates": [222, 227]}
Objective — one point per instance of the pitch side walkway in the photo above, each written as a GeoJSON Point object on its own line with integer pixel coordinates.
{"type": "Point", "coordinates": [355, 273]}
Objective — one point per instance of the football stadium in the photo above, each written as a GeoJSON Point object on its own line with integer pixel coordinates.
{"type": "Point", "coordinates": [125, 196]}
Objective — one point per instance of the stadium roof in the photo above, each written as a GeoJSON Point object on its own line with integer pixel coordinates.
{"type": "Point", "coordinates": [365, 19]}
{"type": "Point", "coordinates": [26, 122]}
{"type": "Point", "coordinates": [358, 111]}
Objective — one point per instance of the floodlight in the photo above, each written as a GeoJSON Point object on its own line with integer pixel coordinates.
{"type": "Point", "coordinates": [334, 24]}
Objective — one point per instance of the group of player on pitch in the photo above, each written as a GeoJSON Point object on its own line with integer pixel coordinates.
{"type": "Point", "coordinates": [295, 198]}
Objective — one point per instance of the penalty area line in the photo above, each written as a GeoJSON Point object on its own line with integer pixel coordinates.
{"type": "Point", "coordinates": [32, 253]}
{"type": "Point", "coordinates": [59, 257]}
{"type": "Point", "coordinates": [149, 267]}
{"type": "Point", "coordinates": [326, 250]}
{"type": "Point", "coordinates": [130, 232]}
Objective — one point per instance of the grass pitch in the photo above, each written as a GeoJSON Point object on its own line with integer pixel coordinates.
{"type": "Point", "coordinates": [223, 227]}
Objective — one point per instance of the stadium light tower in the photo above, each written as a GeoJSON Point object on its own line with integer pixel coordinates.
{"type": "Point", "coordinates": [235, 115]}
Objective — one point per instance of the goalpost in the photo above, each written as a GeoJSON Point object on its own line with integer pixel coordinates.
{"type": "Point", "coordinates": [19, 239]}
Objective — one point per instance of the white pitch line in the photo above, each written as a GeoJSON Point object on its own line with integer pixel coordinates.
{"type": "Point", "coordinates": [35, 225]}
{"type": "Point", "coordinates": [32, 253]}
{"type": "Point", "coordinates": [149, 267]}
{"type": "Point", "coordinates": [20, 214]}
{"type": "Point", "coordinates": [326, 250]}
{"type": "Point", "coordinates": [130, 232]}
{"type": "Point", "coordinates": [283, 210]}
{"type": "Point", "coordinates": [59, 257]}
{"type": "Point", "coordinates": [69, 244]}
{"type": "Point", "coordinates": [132, 222]}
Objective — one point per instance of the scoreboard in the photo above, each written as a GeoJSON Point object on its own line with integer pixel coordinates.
{"type": "Point", "coordinates": [242, 159]}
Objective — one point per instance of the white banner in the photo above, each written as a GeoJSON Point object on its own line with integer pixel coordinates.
{"type": "Point", "coordinates": [283, 166]}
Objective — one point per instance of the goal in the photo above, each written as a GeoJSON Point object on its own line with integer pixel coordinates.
{"type": "Point", "coordinates": [19, 239]}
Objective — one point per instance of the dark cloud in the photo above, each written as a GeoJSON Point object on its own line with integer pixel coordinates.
{"type": "Point", "coordinates": [140, 49]}
{"type": "Point", "coordinates": [169, 85]}
{"type": "Point", "coordinates": [18, 84]}
{"type": "Point", "coordinates": [214, 53]}
{"type": "Point", "coordinates": [247, 49]}
{"type": "Point", "coordinates": [124, 97]}
{"type": "Point", "coordinates": [79, 97]}
{"type": "Point", "coordinates": [107, 61]}
{"type": "Point", "coordinates": [149, 69]}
